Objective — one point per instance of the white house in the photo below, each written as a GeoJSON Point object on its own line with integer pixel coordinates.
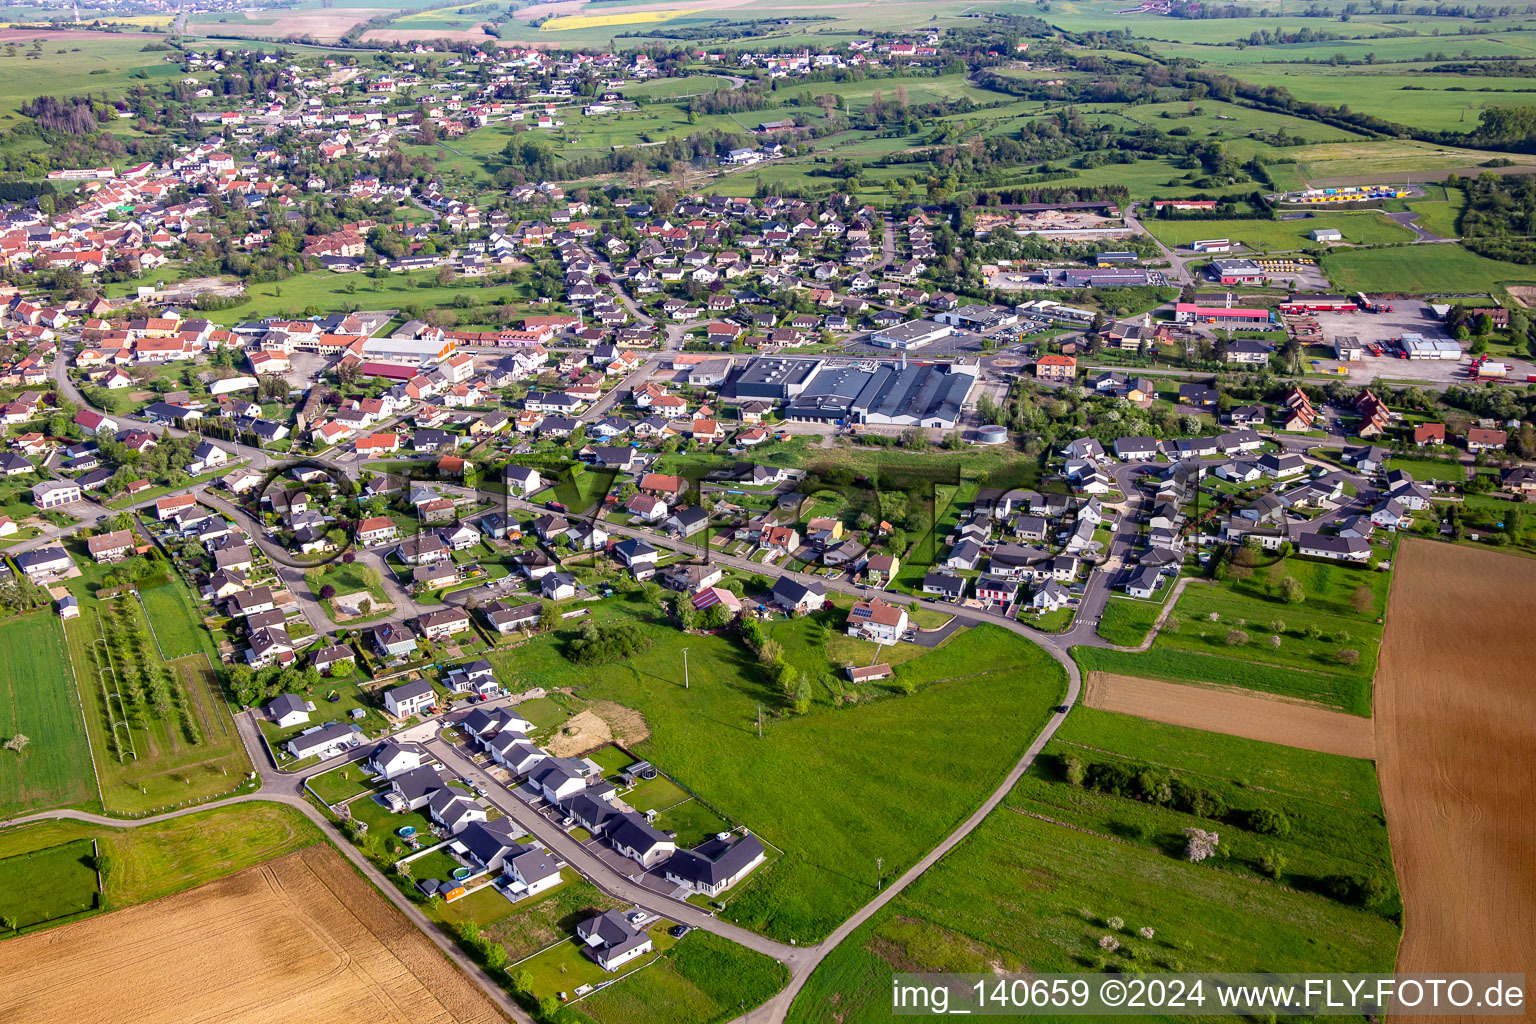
{"type": "Point", "coordinates": [532, 871]}
{"type": "Point", "coordinates": [391, 759]}
{"type": "Point", "coordinates": [323, 741]}
{"type": "Point", "coordinates": [522, 480]}
{"type": "Point", "coordinates": [287, 710]}
{"type": "Point", "coordinates": [410, 699]}
{"type": "Point", "coordinates": [634, 837]}
{"type": "Point", "coordinates": [611, 940]}
{"type": "Point", "coordinates": [1050, 597]}
{"type": "Point", "coordinates": [877, 620]}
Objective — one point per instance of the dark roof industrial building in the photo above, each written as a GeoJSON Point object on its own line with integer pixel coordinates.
{"type": "Point", "coordinates": [923, 396]}
{"type": "Point", "coordinates": [773, 379]}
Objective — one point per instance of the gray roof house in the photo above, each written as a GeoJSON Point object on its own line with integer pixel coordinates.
{"type": "Point", "coordinates": [715, 865]}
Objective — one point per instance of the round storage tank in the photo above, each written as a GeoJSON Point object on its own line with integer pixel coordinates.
{"type": "Point", "coordinates": [992, 434]}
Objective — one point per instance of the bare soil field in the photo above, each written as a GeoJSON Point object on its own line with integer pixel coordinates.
{"type": "Point", "coordinates": [599, 725]}
{"type": "Point", "coordinates": [325, 25]}
{"type": "Point", "coordinates": [1456, 744]}
{"type": "Point", "coordinates": [407, 35]}
{"type": "Point", "coordinates": [1524, 294]}
{"type": "Point", "coordinates": [298, 938]}
{"type": "Point", "coordinates": [1234, 712]}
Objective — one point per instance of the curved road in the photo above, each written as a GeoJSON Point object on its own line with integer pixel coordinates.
{"type": "Point", "coordinates": [440, 938]}
{"type": "Point", "coordinates": [287, 788]}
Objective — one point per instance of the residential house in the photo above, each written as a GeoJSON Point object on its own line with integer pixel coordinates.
{"type": "Point", "coordinates": [412, 698]}
{"type": "Point", "coordinates": [878, 621]}
{"type": "Point", "coordinates": [798, 598]}
{"type": "Point", "coordinates": [287, 710]}
{"type": "Point", "coordinates": [715, 865]}
{"type": "Point", "coordinates": [611, 941]}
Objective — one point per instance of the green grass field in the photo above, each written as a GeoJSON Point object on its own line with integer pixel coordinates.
{"type": "Point", "coordinates": [1430, 469]}
{"type": "Point", "coordinates": [41, 703]}
{"type": "Point", "coordinates": [1438, 102]}
{"type": "Point", "coordinates": [66, 67]}
{"type": "Point", "coordinates": [1194, 646]}
{"type": "Point", "coordinates": [47, 885]}
{"type": "Point", "coordinates": [1422, 268]}
{"type": "Point", "coordinates": [328, 292]}
{"type": "Point", "coordinates": [705, 738]}
{"type": "Point", "coordinates": [1441, 216]}
{"type": "Point", "coordinates": [1331, 804]}
{"type": "Point", "coordinates": [170, 615]}
{"type": "Point", "coordinates": [1267, 235]}
{"type": "Point", "coordinates": [701, 980]}
{"type": "Point", "coordinates": [675, 88]}
{"type": "Point", "coordinates": [152, 861]}
{"type": "Point", "coordinates": [149, 762]}
{"type": "Point", "coordinates": [1127, 621]}
{"type": "Point", "coordinates": [1025, 895]}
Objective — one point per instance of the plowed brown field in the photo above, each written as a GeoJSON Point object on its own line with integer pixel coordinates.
{"type": "Point", "coordinates": [301, 938]}
{"type": "Point", "coordinates": [1456, 754]}
{"type": "Point", "coordinates": [1234, 712]}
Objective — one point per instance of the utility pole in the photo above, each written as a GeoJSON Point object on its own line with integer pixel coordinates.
{"type": "Point", "coordinates": [879, 872]}
{"type": "Point", "coordinates": [759, 721]}
{"type": "Point", "coordinates": [685, 668]}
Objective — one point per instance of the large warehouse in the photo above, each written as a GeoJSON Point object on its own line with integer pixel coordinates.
{"type": "Point", "coordinates": [1416, 346]}
{"type": "Point", "coordinates": [910, 335]}
{"type": "Point", "coordinates": [902, 396]}
{"type": "Point", "coordinates": [772, 379]}
{"type": "Point", "coordinates": [1229, 316]}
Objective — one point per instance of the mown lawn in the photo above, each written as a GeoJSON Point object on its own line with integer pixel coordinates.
{"type": "Point", "coordinates": [46, 885]}
{"type": "Point", "coordinates": [1431, 469]}
{"type": "Point", "coordinates": [171, 618]}
{"type": "Point", "coordinates": [38, 699]}
{"type": "Point", "coordinates": [1126, 621]}
{"type": "Point", "coordinates": [823, 787]}
{"type": "Point", "coordinates": [1422, 268]}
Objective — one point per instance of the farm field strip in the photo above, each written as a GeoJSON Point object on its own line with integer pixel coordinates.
{"type": "Point", "coordinates": [151, 752]}
{"type": "Point", "coordinates": [39, 700]}
{"type": "Point", "coordinates": [1457, 763]}
{"type": "Point", "coordinates": [1233, 712]}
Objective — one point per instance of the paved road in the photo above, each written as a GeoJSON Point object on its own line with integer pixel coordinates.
{"type": "Point", "coordinates": [1177, 273]}
{"type": "Point", "coordinates": [597, 869]}
{"type": "Point", "coordinates": [802, 961]}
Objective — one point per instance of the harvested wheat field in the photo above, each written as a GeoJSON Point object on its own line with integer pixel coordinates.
{"type": "Point", "coordinates": [1456, 744]}
{"type": "Point", "coordinates": [1234, 712]}
{"type": "Point", "coordinates": [298, 938]}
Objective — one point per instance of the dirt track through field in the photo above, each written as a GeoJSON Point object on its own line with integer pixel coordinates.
{"type": "Point", "coordinates": [1236, 713]}
{"type": "Point", "coordinates": [1456, 735]}
{"type": "Point", "coordinates": [301, 938]}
